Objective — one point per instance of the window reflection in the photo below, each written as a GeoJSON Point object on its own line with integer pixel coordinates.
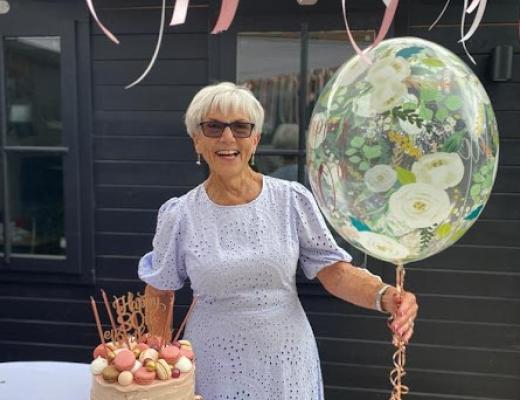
{"type": "Point", "coordinates": [33, 91]}
{"type": "Point", "coordinates": [36, 204]}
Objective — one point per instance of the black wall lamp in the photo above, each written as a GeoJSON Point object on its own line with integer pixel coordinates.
{"type": "Point", "coordinates": [502, 64]}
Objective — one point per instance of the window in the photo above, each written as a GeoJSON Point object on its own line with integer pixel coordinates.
{"type": "Point", "coordinates": [32, 144]}
{"type": "Point", "coordinates": [273, 65]}
{"type": "Point", "coordinates": [40, 194]}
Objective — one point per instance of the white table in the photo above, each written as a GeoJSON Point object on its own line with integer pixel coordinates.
{"type": "Point", "coordinates": [44, 380]}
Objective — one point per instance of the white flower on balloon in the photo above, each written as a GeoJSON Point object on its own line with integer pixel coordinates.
{"type": "Point", "coordinates": [382, 246]}
{"type": "Point", "coordinates": [361, 106]}
{"type": "Point", "coordinates": [441, 169]}
{"type": "Point", "coordinates": [350, 73]}
{"type": "Point", "coordinates": [419, 205]}
{"type": "Point", "coordinates": [380, 178]}
{"type": "Point", "coordinates": [385, 97]}
{"type": "Point", "coordinates": [389, 68]}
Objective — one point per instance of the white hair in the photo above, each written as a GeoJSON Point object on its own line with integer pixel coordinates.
{"type": "Point", "coordinates": [225, 97]}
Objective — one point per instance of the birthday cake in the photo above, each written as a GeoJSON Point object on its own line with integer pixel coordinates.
{"type": "Point", "coordinates": [131, 364]}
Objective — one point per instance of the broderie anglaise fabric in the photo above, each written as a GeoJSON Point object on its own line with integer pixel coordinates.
{"type": "Point", "coordinates": [249, 330]}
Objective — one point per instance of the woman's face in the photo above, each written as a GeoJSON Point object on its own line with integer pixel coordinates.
{"type": "Point", "coordinates": [226, 155]}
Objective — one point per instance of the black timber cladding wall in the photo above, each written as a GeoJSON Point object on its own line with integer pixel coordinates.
{"type": "Point", "coordinates": [467, 343]}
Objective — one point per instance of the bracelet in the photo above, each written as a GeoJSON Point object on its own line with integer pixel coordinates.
{"type": "Point", "coordinates": [379, 297]}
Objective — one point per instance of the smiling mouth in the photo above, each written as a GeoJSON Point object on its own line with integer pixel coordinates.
{"type": "Point", "coordinates": [227, 154]}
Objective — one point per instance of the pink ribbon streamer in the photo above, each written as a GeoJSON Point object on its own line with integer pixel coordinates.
{"type": "Point", "coordinates": [228, 10]}
{"type": "Point", "coordinates": [179, 12]}
{"type": "Point", "coordinates": [383, 30]}
{"type": "Point", "coordinates": [105, 30]}
{"type": "Point", "coordinates": [157, 47]}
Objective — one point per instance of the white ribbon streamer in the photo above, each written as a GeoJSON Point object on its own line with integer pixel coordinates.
{"type": "Point", "coordinates": [157, 47]}
{"type": "Point", "coordinates": [105, 30]}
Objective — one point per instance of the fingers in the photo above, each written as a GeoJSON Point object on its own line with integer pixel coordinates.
{"type": "Point", "coordinates": [404, 316]}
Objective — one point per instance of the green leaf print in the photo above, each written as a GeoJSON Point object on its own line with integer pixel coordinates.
{"type": "Point", "coordinates": [453, 103]}
{"type": "Point", "coordinates": [405, 176]}
{"type": "Point", "coordinates": [357, 141]}
{"type": "Point", "coordinates": [433, 62]}
{"type": "Point", "coordinates": [429, 95]}
{"type": "Point", "coordinates": [441, 114]}
{"type": "Point", "coordinates": [371, 152]}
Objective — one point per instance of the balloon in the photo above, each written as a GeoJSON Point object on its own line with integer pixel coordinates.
{"type": "Point", "coordinates": [402, 154]}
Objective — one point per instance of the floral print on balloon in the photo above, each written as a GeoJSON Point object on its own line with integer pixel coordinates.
{"type": "Point", "coordinates": [402, 154]}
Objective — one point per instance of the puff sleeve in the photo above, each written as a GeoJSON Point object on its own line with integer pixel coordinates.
{"type": "Point", "coordinates": [164, 267]}
{"type": "Point", "coordinates": [318, 249]}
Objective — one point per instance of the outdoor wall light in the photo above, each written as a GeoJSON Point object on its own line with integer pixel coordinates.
{"type": "Point", "coordinates": [502, 64]}
{"type": "Point", "coordinates": [4, 7]}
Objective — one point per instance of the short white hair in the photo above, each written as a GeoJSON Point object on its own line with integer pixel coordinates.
{"type": "Point", "coordinates": [225, 97]}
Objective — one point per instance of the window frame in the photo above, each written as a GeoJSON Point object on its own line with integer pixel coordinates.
{"type": "Point", "coordinates": [76, 111]}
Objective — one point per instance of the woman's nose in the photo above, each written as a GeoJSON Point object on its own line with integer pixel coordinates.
{"type": "Point", "coordinates": [227, 133]}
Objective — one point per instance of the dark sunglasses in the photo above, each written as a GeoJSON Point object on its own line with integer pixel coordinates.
{"type": "Point", "coordinates": [215, 129]}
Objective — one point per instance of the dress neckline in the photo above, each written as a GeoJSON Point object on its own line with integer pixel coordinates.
{"type": "Point", "coordinates": [249, 203]}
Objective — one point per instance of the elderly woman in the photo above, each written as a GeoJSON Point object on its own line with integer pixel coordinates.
{"type": "Point", "coordinates": [238, 237]}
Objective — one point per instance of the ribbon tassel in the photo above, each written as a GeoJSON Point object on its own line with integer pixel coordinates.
{"type": "Point", "coordinates": [383, 30]}
{"type": "Point", "coordinates": [228, 10]}
{"type": "Point", "coordinates": [105, 30]}
{"type": "Point", "coordinates": [157, 48]}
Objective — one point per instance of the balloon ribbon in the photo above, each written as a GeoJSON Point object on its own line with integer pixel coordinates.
{"type": "Point", "coordinates": [399, 357]}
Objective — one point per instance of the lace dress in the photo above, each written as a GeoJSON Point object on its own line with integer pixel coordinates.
{"type": "Point", "coordinates": [248, 329]}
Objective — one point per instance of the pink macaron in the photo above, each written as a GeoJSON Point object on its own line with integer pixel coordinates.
{"type": "Point", "coordinates": [142, 346]}
{"type": "Point", "coordinates": [124, 360]}
{"type": "Point", "coordinates": [100, 351]}
{"type": "Point", "coordinates": [170, 354]}
{"type": "Point", "coordinates": [144, 377]}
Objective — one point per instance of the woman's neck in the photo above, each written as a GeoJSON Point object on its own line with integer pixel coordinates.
{"type": "Point", "coordinates": [234, 190]}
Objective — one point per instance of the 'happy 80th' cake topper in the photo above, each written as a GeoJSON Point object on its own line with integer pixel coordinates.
{"type": "Point", "coordinates": [134, 313]}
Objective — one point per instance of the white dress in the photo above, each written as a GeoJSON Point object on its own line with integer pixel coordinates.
{"type": "Point", "coordinates": [249, 331]}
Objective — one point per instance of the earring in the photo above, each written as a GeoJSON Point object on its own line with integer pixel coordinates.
{"type": "Point", "coordinates": [198, 159]}
{"type": "Point", "coordinates": [253, 159]}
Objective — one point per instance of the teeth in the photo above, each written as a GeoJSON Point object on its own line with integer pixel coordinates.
{"type": "Point", "coordinates": [227, 152]}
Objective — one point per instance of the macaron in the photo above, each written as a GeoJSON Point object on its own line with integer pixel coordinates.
{"type": "Point", "coordinates": [125, 378]}
{"type": "Point", "coordinates": [136, 366]}
{"type": "Point", "coordinates": [144, 377]}
{"type": "Point", "coordinates": [149, 353]}
{"type": "Point", "coordinates": [198, 397]}
{"type": "Point", "coordinates": [142, 346]}
{"type": "Point", "coordinates": [110, 374]}
{"type": "Point", "coordinates": [100, 351]}
{"type": "Point", "coordinates": [98, 365]}
{"type": "Point", "coordinates": [187, 353]}
{"type": "Point", "coordinates": [162, 369]}
{"type": "Point", "coordinates": [185, 344]}
{"type": "Point", "coordinates": [155, 342]}
{"type": "Point", "coordinates": [184, 364]}
{"type": "Point", "coordinates": [124, 360]}
{"type": "Point", "coordinates": [170, 353]}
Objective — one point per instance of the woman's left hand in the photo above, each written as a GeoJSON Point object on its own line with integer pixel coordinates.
{"type": "Point", "coordinates": [404, 308]}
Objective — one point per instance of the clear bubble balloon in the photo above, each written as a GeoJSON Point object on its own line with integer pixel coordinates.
{"type": "Point", "coordinates": [402, 154]}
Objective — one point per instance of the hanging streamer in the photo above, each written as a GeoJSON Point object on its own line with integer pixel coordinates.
{"type": "Point", "coordinates": [157, 47]}
{"type": "Point", "coordinates": [478, 17]}
{"type": "Point", "coordinates": [228, 10]}
{"type": "Point", "coordinates": [179, 12]}
{"type": "Point", "coordinates": [105, 30]}
{"type": "Point", "coordinates": [463, 21]}
{"type": "Point", "coordinates": [440, 15]}
{"type": "Point", "coordinates": [383, 30]}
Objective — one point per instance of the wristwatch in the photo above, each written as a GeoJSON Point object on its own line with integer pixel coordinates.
{"type": "Point", "coordinates": [379, 296]}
